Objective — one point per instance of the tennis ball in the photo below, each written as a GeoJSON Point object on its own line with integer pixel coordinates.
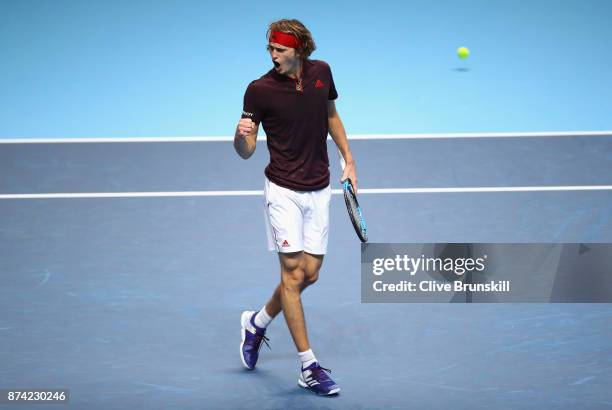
{"type": "Point", "coordinates": [463, 52]}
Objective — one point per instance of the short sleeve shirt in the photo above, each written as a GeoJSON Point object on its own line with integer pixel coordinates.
{"type": "Point", "coordinates": [295, 123]}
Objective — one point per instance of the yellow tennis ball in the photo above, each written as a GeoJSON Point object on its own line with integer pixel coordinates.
{"type": "Point", "coordinates": [463, 52]}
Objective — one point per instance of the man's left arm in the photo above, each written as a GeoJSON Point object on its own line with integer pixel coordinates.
{"type": "Point", "coordinates": [338, 134]}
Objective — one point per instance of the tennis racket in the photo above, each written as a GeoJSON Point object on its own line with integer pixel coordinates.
{"type": "Point", "coordinates": [352, 205]}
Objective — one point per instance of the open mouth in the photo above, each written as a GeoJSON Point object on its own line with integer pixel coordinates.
{"type": "Point", "coordinates": [276, 64]}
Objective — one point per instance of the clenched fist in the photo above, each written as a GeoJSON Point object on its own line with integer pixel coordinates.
{"type": "Point", "coordinates": [245, 127]}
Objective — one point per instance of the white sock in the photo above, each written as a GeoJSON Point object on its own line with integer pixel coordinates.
{"type": "Point", "coordinates": [307, 358]}
{"type": "Point", "coordinates": [262, 318]}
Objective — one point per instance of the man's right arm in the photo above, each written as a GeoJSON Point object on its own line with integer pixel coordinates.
{"type": "Point", "coordinates": [245, 139]}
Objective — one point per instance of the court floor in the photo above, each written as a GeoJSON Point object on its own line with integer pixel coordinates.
{"type": "Point", "coordinates": [133, 299]}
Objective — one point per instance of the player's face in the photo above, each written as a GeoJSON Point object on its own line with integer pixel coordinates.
{"type": "Point", "coordinates": [285, 59]}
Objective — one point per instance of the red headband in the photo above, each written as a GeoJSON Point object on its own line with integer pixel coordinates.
{"type": "Point", "coordinates": [285, 39]}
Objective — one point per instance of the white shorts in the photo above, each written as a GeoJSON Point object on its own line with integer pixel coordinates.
{"type": "Point", "coordinates": [296, 220]}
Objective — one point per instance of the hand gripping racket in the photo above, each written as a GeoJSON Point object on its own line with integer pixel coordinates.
{"type": "Point", "coordinates": [352, 205]}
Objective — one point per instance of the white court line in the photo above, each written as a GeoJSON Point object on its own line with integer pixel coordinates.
{"type": "Point", "coordinates": [553, 134]}
{"type": "Point", "coordinates": [363, 191]}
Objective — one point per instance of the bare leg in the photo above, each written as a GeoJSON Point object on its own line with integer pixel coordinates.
{"type": "Point", "coordinates": [312, 265]}
{"type": "Point", "coordinates": [298, 271]}
{"type": "Point", "coordinates": [274, 306]}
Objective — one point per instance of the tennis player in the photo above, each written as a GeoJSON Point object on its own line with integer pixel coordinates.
{"type": "Point", "coordinates": [294, 102]}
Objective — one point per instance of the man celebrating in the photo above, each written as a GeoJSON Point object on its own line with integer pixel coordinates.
{"type": "Point", "coordinates": [294, 102]}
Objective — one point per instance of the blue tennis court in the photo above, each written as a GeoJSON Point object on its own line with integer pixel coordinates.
{"type": "Point", "coordinates": [126, 262]}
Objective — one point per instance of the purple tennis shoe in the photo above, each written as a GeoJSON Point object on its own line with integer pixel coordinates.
{"type": "Point", "coordinates": [316, 379]}
{"type": "Point", "coordinates": [252, 336]}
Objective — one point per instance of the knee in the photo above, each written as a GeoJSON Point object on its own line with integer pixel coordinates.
{"type": "Point", "coordinates": [310, 278]}
{"type": "Point", "coordinates": [293, 279]}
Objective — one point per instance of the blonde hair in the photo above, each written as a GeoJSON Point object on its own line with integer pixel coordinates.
{"type": "Point", "coordinates": [296, 28]}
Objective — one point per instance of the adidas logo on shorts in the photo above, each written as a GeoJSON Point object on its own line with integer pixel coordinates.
{"type": "Point", "coordinates": [285, 244]}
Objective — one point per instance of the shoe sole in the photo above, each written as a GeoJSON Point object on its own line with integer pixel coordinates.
{"type": "Point", "coordinates": [331, 392]}
{"type": "Point", "coordinates": [243, 336]}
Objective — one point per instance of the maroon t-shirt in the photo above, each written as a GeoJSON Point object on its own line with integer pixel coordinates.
{"type": "Point", "coordinates": [295, 123]}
